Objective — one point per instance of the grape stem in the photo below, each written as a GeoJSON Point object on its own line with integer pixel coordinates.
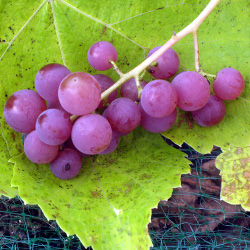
{"type": "Point", "coordinates": [196, 57]}
{"type": "Point", "coordinates": [192, 28]}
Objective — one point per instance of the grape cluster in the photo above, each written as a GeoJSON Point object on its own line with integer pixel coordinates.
{"type": "Point", "coordinates": [66, 120]}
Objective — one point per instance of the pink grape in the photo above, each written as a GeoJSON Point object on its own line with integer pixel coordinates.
{"type": "Point", "coordinates": [167, 64]}
{"type": "Point", "coordinates": [22, 109]}
{"type": "Point", "coordinates": [57, 105]}
{"type": "Point", "coordinates": [91, 134]}
{"type": "Point", "coordinates": [192, 89]}
{"type": "Point", "coordinates": [48, 79]}
{"type": "Point", "coordinates": [129, 89]}
{"type": "Point", "coordinates": [157, 125]}
{"type": "Point", "coordinates": [105, 82]}
{"type": "Point", "coordinates": [123, 115]}
{"type": "Point", "coordinates": [37, 151]}
{"type": "Point", "coordinates": [67, 164]}
{"type": "Point", "coordinates": [113, 144]}
{"type": "Point", "coordinates": [79, 93]}
{"type": "Point", "coordinates": [228, 84]}
{"type": "Point", "coordinates": [159, 98]}
{"type": "Point", "coordinates": [100, 54]}
{"type": "Point", "coordinates": [53, 127]}
{"type": "Point", "coordinates": [211, 114]}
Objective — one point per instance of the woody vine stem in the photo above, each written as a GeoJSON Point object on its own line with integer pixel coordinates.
{"type": "Point", "coordinates": [190, 29]}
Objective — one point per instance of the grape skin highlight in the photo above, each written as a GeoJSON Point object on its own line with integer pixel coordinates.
{"type": "Point", "coordinates": [193, 90]}
{"type": "Point", "coordinates": [79, 93]}
{"type": "Point", "coordinates": [22, 109]}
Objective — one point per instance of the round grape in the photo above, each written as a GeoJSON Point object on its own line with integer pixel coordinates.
{"type": "Point", "coordinates": [37, 151]}
{"type": "Point", "coordinates": [67, 164]}
{"type": "Point", "coordinates": [105, 82]}
{"type": "Point", "coordinates": [123, 115]}
{"type": "Point", "coordinates": [129, 89]}
{"type": "Point", "coordinates": [100, 54]}
{"type": "Point", "coordinates": [113, 144]}
{"type": "Point", "coordinates": [158, 98]}
{"type": "Point", "coordinates": [53, 127]}
{"type": "Point", "coordinates": [91, 134]}
{"type": "Point", "coordinates": [48, 79]}
{"type": "Point", "coordinates": [167, 64]}
{"type": "Point", "coordinates": [211, 114]}
{"type": "Point", "coordinates": [79, 93]}
{"type": "Point", "coordinates": [22, 109]}
{"type": "Point", "coordinates": [193, 90]}
{"type": "Point", "coordinates": [157, 125]}
{"type": "Point", "coordinates": [228, 84]}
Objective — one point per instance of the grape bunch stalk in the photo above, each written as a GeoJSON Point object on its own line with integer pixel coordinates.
{"type": "Point", "coordinates": [75, 115]}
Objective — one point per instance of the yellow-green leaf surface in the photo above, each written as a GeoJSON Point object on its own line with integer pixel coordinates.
{"type": "Point", "coordinates": [234, 165]}
{"type": "Point", "coordinates": [109, 204]}
{"type": "Point", "coordinates": [35, 33]}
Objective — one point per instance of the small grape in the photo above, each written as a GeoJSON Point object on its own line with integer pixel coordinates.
{"type": "Point", "coordinates": [67, 164]}
{"type": "Point", "coordinates": [113, 144]}
{"type": "Point", "coordinates": [167, 64]}
{"type": "Point", "coordinates": [228, 84]}
{"type": "Point", "coordinates": [123, 115]}
{"type": "Point", "coordinates": [53, 126]}
{"type": "Point", "coordinates": [22, 109]}
{"type": "Point", "coordinates": [79, 93]}
{"type": "Point", "coordinates": [37, 151]}
{"type": "Point", "coordinates": [211, 114]}
{"type": "Point", "coordinates": [157, 125]}
{"type": "Point", "coordinates": [105, 82]}
{"type": "Point", "coordinates": [48, 79]}
{"type": "Point", "coordinates": [100, 54]}
{"type": "Point", "coordinates": [158, 98]}
{"type": "Point", "coordinates": [129, 89]}
{"type": "Point", "coordinates": [91, 134]}
{"type": "Point", "coordinates": [193, 90]}
{"type": "Point", "coordinates": [57, 105]}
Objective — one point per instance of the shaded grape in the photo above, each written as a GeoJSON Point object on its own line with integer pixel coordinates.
{"type": "Point", "coordinates": [67, 164]}
{"type": "Point", "coordinates": [38, 151]}
{"type": "Point", "coordinates": [211, 114]}
{"type": "Point", "coordinates": [48, 79]}
{"type": "Point", "coordinates": [22, 109]}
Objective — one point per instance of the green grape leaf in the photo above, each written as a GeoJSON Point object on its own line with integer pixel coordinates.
{"type": "Point", "coordinates": [109, 203]}
{"type": "Point", "coordinates": [6, 173]}
{"type": "Point", "coordinates": [61, 31]}
{"type": "Point", "coordinates": [234, 165]}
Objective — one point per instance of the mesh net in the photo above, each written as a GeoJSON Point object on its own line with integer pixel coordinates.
{"type": "Point", "coordinates": [193, 218]}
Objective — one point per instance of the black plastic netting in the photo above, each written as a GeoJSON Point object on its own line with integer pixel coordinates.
{"type": "Point", "coordinates": [193, 218]}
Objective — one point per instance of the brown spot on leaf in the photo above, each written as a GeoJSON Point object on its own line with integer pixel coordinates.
{"type": "Point", "coordinates": [96, 194]}
{"type": "Point", "coordinates": [186, 118]}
